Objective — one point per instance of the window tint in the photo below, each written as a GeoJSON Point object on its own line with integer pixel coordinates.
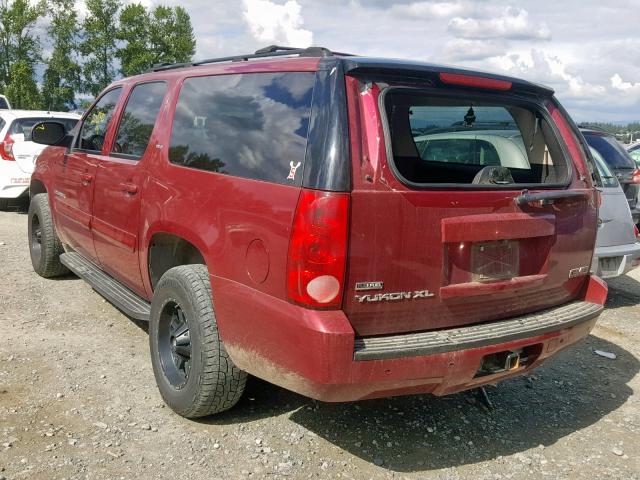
{"type": "Point", "coordinates": [139, 118]}
{"type": "Point", "coordinates": [25, 125]}
{"type": "Point", "coordinates": [455, 140]}
{"type": "Point", "coordinates": [94, 128]}
{"type": "Point", "coordinates": [611, 150]}
{"type": "Point", "coordinates": [3, 104]}
{"type": "Point", "coordinates": [252, 125]}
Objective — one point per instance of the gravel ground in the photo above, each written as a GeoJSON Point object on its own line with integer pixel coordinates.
{"type": "Point", "coordinates": [78, 401]}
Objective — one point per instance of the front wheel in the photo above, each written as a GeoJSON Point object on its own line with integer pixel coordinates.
{"type": "Point", "coordinates": [45, 247]}
{"type": "Point", "coordinates": [193, 371]}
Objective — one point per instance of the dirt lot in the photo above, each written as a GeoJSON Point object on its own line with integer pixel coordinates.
{"type": "Point", "coordinates": [78, 400]}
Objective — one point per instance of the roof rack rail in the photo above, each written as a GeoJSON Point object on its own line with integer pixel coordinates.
{"type": "Point", "coordinates": [266, 52]}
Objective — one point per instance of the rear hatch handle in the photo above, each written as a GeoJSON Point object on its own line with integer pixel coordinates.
{"type": "Point", "coordinates": [548, 197]}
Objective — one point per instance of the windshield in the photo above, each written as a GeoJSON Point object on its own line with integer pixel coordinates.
{"type": "Point", "coordinates": [611, 151]}
{"type": "Point", "coordinates": [467, 140]}
{"type": "Point", "coordinates": [608, 179]}
{"type": "Point", "coordinates": [25, 125]}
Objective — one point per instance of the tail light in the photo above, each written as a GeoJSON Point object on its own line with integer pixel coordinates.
{"type": "Point", "coordinates": [318, 249]}
{"type": "Point", "coordinates": [6, 148]}
{"type": "Point", "coordinates": [636, 232]}
{"type": "Point", "coordinates": [636, 176]}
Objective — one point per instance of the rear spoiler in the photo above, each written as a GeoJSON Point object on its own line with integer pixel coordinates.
{"type": "Point", "coordinates": [439, 75]}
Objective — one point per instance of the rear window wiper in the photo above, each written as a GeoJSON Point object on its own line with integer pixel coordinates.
{"type": "Point", "coordinates": [547, 197]}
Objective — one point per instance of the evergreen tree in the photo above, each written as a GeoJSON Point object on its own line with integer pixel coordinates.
{"type": "Point", "coordinates": [100, 44]}
{"type": "Point", "coordinates": [17, 41]}
{"type": "Point", "coordinates": [22, 89]}
{"type": "Point", "coordinates": [61, 78]}
{"type": "Point", "coordinates": [164, 35]}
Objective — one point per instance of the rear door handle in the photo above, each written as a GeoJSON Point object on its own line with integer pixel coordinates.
{"type": "Point", "coordinates": [86, 178]}
{"type": "Point", "coordinates": [129, 188]}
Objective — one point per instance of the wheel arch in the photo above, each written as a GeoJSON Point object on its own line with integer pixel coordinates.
{"type": "Point", "coordinates": [166, 250]}
{"type": "Point", "coordinates": [36, 186]}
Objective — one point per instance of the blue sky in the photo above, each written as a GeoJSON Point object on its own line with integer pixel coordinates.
{"type": "Point", "coordinates": [588, 51]}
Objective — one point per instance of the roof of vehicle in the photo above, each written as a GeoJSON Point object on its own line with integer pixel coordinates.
{"type": "Point", "coordinates": [594, 131]}
{"type": "Point", "coordinates": [275, 58]}
{"type": "Point", "coordinates": [15, 114]}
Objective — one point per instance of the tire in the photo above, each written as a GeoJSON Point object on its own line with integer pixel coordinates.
{"type": "Point", "coordinates": [193, 371]}
{"type": "Point", "coordinates": [4, 204]}
{"type": "Point", "coordinates": [45, 247]}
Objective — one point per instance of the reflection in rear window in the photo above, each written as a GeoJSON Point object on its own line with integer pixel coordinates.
{"type": "Point", "coordinates": [611, 150]}
{"type": "Point", "coordinates": [252, 125]}
{"type": "Point", "coordinates": [456, 140]}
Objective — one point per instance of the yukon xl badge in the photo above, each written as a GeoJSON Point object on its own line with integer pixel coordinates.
{"type": "Point", "coordinates": [386, 297]}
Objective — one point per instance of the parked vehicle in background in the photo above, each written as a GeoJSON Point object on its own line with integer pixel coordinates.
{"type": "Point", "coordinates": [620, 163]}
{"type": "Point", "coordinates": [4, 103]}
{"type": "Point", "coordinates": [276, 214]}
{"type": "Point", "coordinates": [617, 247]}
{"type": "Point", "coordinates": [634, 151]}
{"type": "Point", "coordinates": [18, 153]}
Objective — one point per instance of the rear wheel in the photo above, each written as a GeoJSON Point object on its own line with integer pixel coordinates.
{"type": "Point", "coordinates": [44, 245]}
{"type": "Point", "coordinates": [193, 371]}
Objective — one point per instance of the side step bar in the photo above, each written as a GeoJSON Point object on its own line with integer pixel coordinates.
{"type": "Point", "coordinates": [120, 296]}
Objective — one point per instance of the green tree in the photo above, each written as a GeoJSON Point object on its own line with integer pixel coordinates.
{"type": "Point", "coordinates": [17, 41]}
{"type": "Point", "coordinates": [163, 35]}
{"type": "Point", "coordinates": [61, 78]}
{"type": "Point", "coordinates": [100, 43]}
{"type": "Point", "coordinates": [22, 89]}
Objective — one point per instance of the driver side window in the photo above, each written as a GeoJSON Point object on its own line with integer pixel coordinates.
{"type": "Point", "coordinates": [96, 123]}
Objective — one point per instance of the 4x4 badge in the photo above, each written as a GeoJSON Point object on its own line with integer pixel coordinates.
{"type": "Point", "coordinates": [292, 172]}
{"type": "Point", "coordinates": [383, 297]}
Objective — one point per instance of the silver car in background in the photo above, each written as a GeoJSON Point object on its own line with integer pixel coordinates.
{"type": "Point", "coordinates": [617, 248]}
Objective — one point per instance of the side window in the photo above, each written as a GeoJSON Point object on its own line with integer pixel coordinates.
{"type": "Point", "coordinates": [252, 125]}
{"type": "Point", "coordinates": [139, 118]}
{"type": "Point", "coordinates": [96, 123]}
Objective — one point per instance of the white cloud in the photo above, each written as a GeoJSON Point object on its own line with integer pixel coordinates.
{"type": "Point", "coordinates": [512, 23]}
{"type": "Point", "coordinates": [462, 49]}
{"type": "Point", "coordinates": [425, 10]}
{"type": "Point", "coordinates": [270, 22]}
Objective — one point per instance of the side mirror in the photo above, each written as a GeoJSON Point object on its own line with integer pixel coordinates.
{"type": "Point", "coordinates": [50, 133]}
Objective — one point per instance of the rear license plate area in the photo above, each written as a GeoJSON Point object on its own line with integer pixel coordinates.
{"type": "Point", "coordinates": [495, 260]}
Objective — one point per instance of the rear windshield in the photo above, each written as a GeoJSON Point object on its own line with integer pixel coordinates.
{"type": "Point", "coordinates": [25, 125]}
{"type": "Point", "coordinates": [608, 179]}
{"type": "Point", "coordinates": [611, 150]}
{"type": "Point", "coordinates": [471, 141]}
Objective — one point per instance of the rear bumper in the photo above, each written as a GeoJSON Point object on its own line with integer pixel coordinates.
{"type": "Point", "coordinates": [610, 262]}
{"type": "Point", "coordinates": [13, 181]}
{"type": "Point", "coordinates": [316, 353]}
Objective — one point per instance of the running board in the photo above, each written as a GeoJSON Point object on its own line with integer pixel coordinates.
{"type": "Point", "coordinates": [120, 296]}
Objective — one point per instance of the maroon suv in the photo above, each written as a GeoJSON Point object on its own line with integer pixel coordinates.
{"type": "Point", "coordinates": [345, 227]}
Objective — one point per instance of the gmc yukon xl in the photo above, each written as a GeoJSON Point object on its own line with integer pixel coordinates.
{"type": "Point", "coordinates": [345, 227]}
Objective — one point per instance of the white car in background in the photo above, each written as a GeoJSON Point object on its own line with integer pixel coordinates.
{"type": "Point", "coordinates": [18, 153]}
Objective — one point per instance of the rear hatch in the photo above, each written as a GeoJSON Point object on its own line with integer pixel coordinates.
{"type": "Point", "coordinates": [615, 225]}
{"type": "Point", "coordinates": [472, 201]}
{"type": "Point", "coordinates": [618, 160]}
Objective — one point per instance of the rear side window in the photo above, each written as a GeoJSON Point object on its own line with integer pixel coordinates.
{"type": "Point", "coordinates": [251, 125]}
{"type": "Point", "coordinates": [138, 119]}
{"type": "Point", "coordinates": [612, 152]}
{"type": "Point", "coordinates": [3, 104]}
{"type": "Point", "coordinates": [466, 140]}
{"type": "Point", "coordinates": [24, 126]}
{"type": "Point", "coordinates": [96, 123]}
